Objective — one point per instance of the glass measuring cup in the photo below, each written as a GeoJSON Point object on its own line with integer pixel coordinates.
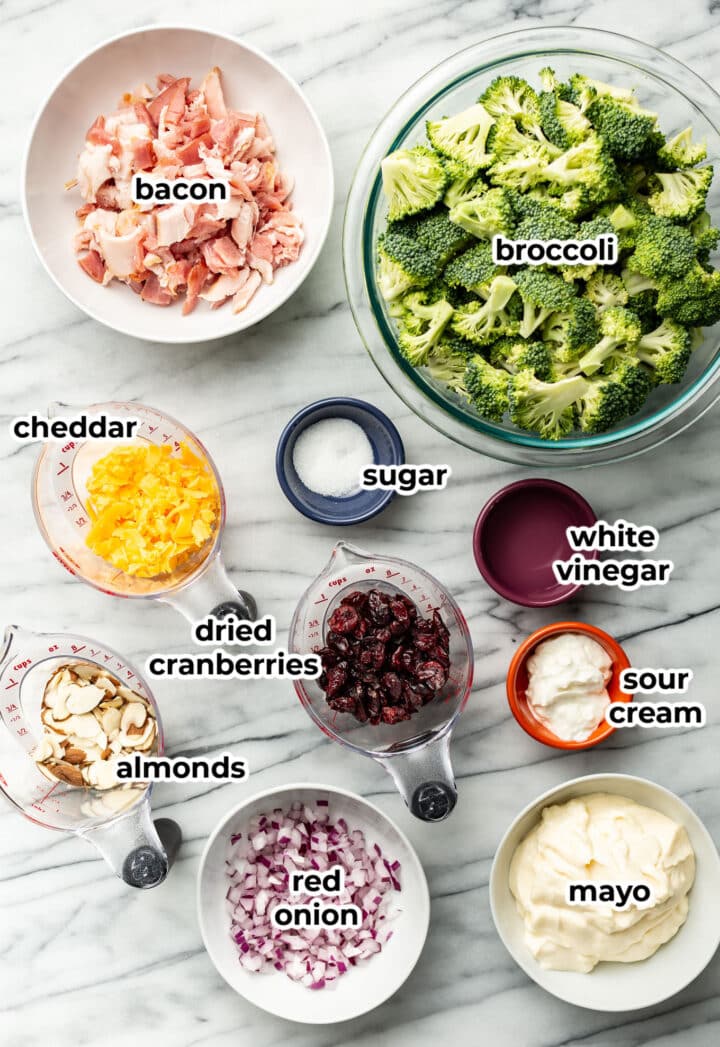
{"type": "Point", "coordinates": [116, 820]}
{"type": "Point", "coordinates": [414, 752]}
{"type": "Point", "coordinates": [197, 587]}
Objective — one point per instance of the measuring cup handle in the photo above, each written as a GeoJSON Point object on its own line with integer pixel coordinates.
{"type": "Point", "coordinates": [213, 593]}
{"type": "Point", "coordinates": [425, 779]}
{"type": "Point", "coordinates": [132, 846]}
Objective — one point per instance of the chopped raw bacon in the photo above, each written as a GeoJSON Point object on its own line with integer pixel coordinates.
{"type": "Point", "coordinates": [93, 265]}
{"type": "Point", "coordinates": [214, 252]}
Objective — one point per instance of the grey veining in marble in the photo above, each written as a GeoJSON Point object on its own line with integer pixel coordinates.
{"type": "Point", "coordinates": [84, 961]}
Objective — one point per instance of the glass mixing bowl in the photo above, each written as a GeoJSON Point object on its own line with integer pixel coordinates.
{"type": "Point", "coordinates": [663, 84]}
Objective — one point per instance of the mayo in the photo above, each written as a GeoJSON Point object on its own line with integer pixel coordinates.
{"type": "Point", "coordinates": [600, 839]}
{"type": "Point", "coordinates": [566, 685]}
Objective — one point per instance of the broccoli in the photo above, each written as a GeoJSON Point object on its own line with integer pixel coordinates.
{"type": "Point", "coordinates": [585, 165]}
{"type": "Point", "coordinates": [625, 223]}
{"type": "Point", "coordinates": [636, 283]}
{"type": "Point", "coordinates": [681, 151]}
{"type": "Point", "coordinates": [545, 222]}
{"type": "Point", "coordinates": [542, 293]}
{"type": "Point", "coordinates": [487, 388]}
{"type": "Point", "coordinates": [441, 237]}
{"type": "Point", "coordinates": [563, 123]}
{"type": "Point", "coordinates": [644, 305]}
{"type": "Point", "coordinates": [483, 322]}
{"type": "Point", "coordinates": [694, 300]}
{"type": "Point", "coordinates": [590, 230]}
{"type": "Point", "coordinates": [548, 79]}
{"type": "Point", "coordinates": [421, 326]}
{"type": "Point", "coordinates": [706, 236]}
{"type": "Point", "coordinates": [584, 91]}
{"type": "Point", "coordinates": [508, 139]}
{"type": "Point", "coordinates": [620, 330]}
{"type": "Point", "coordinates": [636, 381]}
{"type": "Point", "coordinates": [404, 263]}
{"type": "Point", "coordinates": [667, 350]}
{"type": "Point", "coordinates": [680, 194]}
{"type": "Point", "coordinates": [474, 269]}
{"type": "Point", "coordinates": [523, 170]}
{"type": "Point", "coordinates": [572, 330]}
{"type": "Point", "coordinates": [463, 182]}
{"type": "Point", "coordinates": [605, 290]}
{"type": "Point", "coordinates": [485, 216]}
{"type": "Point", "coordinates": [517, 355]}
{"type": "Point", "coordinates": [549, 409]}
{"type": "Point", "coordinates": [447, 367]}
{"type": "Point", "coordinates": [604, 404]}
{"type": "Point", "coordinates": [627, 130]}
{"type": "Point", "coordinates": [662, 249]}
{"type": "Point", "coordinates": [512, 96]}
{"type": "Point", "coordinates": [414, 180]}
{"type": "Point", "coordinates": [463, 137]}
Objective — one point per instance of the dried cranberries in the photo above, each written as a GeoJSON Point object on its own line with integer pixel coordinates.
{"type": "Point", "coordinates": [382, 662]}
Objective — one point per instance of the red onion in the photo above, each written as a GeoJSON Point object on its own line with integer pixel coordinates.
{"type": "Point", "coordinates": [258, 868]}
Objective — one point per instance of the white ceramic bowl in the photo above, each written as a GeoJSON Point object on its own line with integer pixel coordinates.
{"type": "Point", "coordinates": [93, 86]}
{"type": "Point", "coordinates": [619, 986]}
{"type": "Point", "coordinates": [365, 986]}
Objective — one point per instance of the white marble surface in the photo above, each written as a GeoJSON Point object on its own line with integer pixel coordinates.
{"type": "Point", "coordinates": [84, 960]}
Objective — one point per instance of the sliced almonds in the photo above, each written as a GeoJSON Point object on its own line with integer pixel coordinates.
{"type": "Point", "coordinates": [90, 720]}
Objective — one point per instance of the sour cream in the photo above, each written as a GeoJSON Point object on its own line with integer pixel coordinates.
{"type": "Point", "coordinates": [600, 838]}
{"type": "Point", "coordinates": [566, 685]}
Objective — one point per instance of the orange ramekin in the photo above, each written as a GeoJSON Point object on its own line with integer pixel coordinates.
{"type": "Point", "coordinates": [517, 681]}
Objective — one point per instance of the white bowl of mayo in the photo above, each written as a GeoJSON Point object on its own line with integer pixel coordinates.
{"type": "Point", "coordinates": [606, 892]}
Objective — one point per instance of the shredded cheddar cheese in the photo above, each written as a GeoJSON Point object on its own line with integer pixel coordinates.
{"type": "Point", "coordinates": [150, 509]}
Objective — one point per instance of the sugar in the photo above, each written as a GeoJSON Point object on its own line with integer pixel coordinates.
{"type": "Point", "coordinates": [330, 455]}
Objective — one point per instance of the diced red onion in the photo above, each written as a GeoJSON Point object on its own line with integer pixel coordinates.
{"type": "Point", "coordinates": [258, 870]}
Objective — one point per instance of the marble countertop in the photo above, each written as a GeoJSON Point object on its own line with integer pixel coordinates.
{"type": "Point", "coordinates": [85, 961]}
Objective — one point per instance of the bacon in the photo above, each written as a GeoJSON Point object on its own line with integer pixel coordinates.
{"type": "Point", "coordinates": [174, 98]}
{"type": "Point", "coordinates": [211, 251]}
{"type": "Point", "coordinates": [212, 91]}
{"type": "Point", "coordinates": [93, 265]}
{"type": "Point", "coordinates": [152, 291]}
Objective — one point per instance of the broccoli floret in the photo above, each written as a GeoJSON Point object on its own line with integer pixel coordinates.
{"type": "Point", "coordinates": [403, 263]}
{"type": "Point", "coordinates": [508, 140]}
{"type": "Point", "coordinates": [483, 322]}
{"type": "Point", "coordinates": [626, 130]}
{"type": "Point", "coordinates": [694, 300]}
{"type": "Point", "coordinates": [644, 305]}
{"type": "Point", "coordinates": [548, 79]}
{"type": "Point", "coordinates": [474, 269]}
{"type": "Point", "coordinates": [463, 137]}
{"type": "Point", "coordinates": [680, 194]}
{"type": "Point", "coordinates": [512, 96]}
{"type": "Point", "coordinates": [542, 293]}
{"type": "Point", "coordinates": [545, 223]}
{"type": "Point", "coordinates": [604, 404]}
{"type": "Point", "coordinates": [522, 171]}
{"type": "Point", "coordinates": [487, 387]}
{"type": "Point", "coordinates": [562, 122]}
{"type": "Point", "coordinates": [605, 290]}
{"type": "Point", "coordinates": [572, 330]}
{"type": "Point", "coordinates": [414, 180]}
{"type": "Point", "coordinates": [452, 344]}
{"type": "Point", "coordinates": [636, 283]}
{"type": "Point", "coordinates": [706, 236]}
{"type": "Point", "coordinates": [620, 330]}
{"type": "Point", "coordinates": [587, 166]}
{"type": "Point", "coordinates": [549, 409]}
{"type": "Point", "coordinates": [662, 249]}
{"type": "Point", "coordinates": [447, 367]}
{"type": "Point", "coordinates": [517, 355]}
{"type": "Point", "coordinates": [584, 91]}
{"type": "Point", "coordinates": [681, 151]}
{"type": "Point", "coordinates": [463, 182]}
{"type": "Point", "coordinates": [667, 350]}
{"type": "Point", "coordinates": [441, 237]}
{"type": "Point", "coordinates": [421, 326]}
{"type": "Point", "coordinates": [625, 224]}
{"type": "Point", "coordinates": [636, 381]}
{"type": "Point", "coordinates": [485, 216]}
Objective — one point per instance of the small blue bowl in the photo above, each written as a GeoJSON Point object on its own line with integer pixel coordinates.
{"type": "Point", "coordinates": [387, 448]}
